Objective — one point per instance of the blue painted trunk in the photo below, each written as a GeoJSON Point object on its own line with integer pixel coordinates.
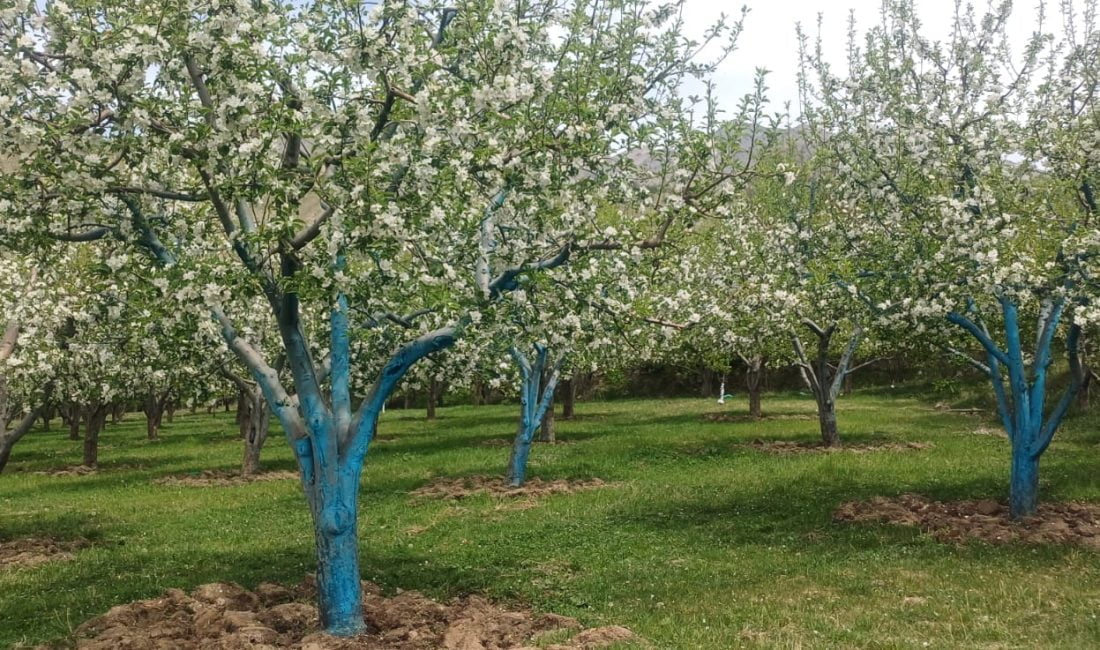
{"type": "Point", "coordinates": [517, 462]}
{"type": "Point", "coordinates": [1022, 407]}
{"type": "Point", "coordinates": [533, 407]}
{"type": "Point", "coordinates": [338, 588]}
{"type": "Point", "coordinates": [1023, 494]}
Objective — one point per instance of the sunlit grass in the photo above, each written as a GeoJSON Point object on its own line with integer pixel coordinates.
{"type": "Point", "coordinates": [699, 543]}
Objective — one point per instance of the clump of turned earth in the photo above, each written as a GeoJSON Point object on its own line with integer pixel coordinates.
{"type": "Point", "coordinates": [212, 478]}
{"type": "Point", "coordinates": [795, 447]}
{"type": "Point", "coordinates": [985, 520]}
{"type": "Point", "coordinates": [225, 616]}
{"type": "Point", "coordinates": [465, 486]}
{"type": "Point", "coordinates": [33, 551]}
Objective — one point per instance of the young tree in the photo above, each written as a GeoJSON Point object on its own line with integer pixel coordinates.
{"type": "Point", "coordinates": [353, 163]}
{"type": "Point", "coordinates": [971, 174]}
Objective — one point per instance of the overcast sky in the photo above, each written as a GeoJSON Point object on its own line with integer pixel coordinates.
{"type": "Point", "coordinates": [769, 37]}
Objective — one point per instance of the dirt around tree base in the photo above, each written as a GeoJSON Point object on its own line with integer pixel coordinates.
{"type": "Point", "coordinates": [792, 447]}
{"type": "Point", "coordinates": [211, 478]}
{"type": "Point", "coordinates": [69, 470]}
{"type": "Point", "coordinates": [33, 551]}
{"type": "Point", "coordinates": [985, 520]}
{"type": "Point", "coordinates": [458, 488]}
{"type": "Point", "coordinates": [224, 616]}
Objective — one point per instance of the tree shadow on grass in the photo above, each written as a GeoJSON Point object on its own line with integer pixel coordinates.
{"type": "Point", "coordinates": [800, 512]}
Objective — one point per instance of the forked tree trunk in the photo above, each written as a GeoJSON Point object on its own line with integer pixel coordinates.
{"type": "Point", "coordinates": [754, 384]}
{"type": "Point", "coordinates": [825, 380]}
{"type": "Point", "coordinates": [154, 408]}
{"type": "Point", "coordinates": [826, 416]}
{"type": "Point", "coordinates": [95, 416]}
{"type": "Point", "coordinates": [254, 429]}
{"type": "Point", "coordinates": [537, 384]}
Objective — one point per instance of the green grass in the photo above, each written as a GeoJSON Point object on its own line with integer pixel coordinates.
{"type": "Point", "coordinates": [700, 543]}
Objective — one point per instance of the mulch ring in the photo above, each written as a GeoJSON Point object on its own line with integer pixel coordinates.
{"type": "Point", "coordinates": [742, 417]}
{"type": "Point", "coordinates": [817, 447]}
{"type": "Point", "coordinates": [984, 520]}
{"type": "Point", "coordinates": [210, 478]}
{"type": "Point", "coordinates": [224, 616]}
{"type": "Point", "coordinates": [458, 488]}
{"type": "Point", "coordinates": [32, 551]}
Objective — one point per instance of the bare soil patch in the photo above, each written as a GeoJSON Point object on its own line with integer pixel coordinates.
{"type": "Point", "coordinates": [735, 417]}
{"type": "Point", "coordinates": [792, 447]}
{"type": "Point", "coordinates": [33, 551]}
{"type": "Point", "coordinates": [224, 616]}
{"type": "Point", "coordinates": [84, 470]}
{"type": "Point", "coordinates": [210, 478]}
{"type": "Point", "coordinates": [69, 470]}
{"type": "Point", "coordinates": [458, 488]}
{"type": "Point", "coordinates": [984, 520]}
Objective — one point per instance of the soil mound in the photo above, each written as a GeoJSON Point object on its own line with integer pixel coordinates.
{"type": "Point", "coordinates": [224, 616]}
{"type": "Point", "coordinates": [32, 551]}
{"type": "Point", "coordinates": [792, 447]}
{"type": "Point", "coordinates": [458, 488]}
{"type": "Point", "coordinates": [984, 520]}
{"type": "Point", "coordinates": [211, 478]}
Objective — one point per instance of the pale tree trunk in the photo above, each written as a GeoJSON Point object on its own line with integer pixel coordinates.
{"type": "Point", "coordinates": [12, 429]}
{"type": "Point", "coordinates": [825, 380]}
{"type": "Point", "coordinates": [253, 418]}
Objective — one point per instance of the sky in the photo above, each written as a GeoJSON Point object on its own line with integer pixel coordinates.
{"type": "Point", "coordinates": [769, 38]}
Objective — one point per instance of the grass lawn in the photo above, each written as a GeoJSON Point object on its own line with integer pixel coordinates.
{"type": "Point", "coordinates": [699, 543]}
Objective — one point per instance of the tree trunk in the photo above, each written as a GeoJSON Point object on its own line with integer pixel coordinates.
{"type": "Point", "coordinates": [826, 415]}
{"type": "Point", "coordinates": [475, 392]}
{"type": "Point", "coordinates": [517, 460]}
{"type": "Point", "coordinates": [568, 399]}
{"type": "Point", "coordinates": [1086, 385]}
{"type": "Point", "coordinates": [1023, 492]}
{"type": "Point", "coordinates": [6, 444]}
{"type": "Point", "coordinates": [94, 418]}
{"type": "Point", "coordinates": [754, 383]}
{"type": "Point", "coordinates": [170, 410]}
{"type": "Point", "coordinates": [433, 389]}
{"type": "Point", "coordinates": [338, 581]}
{"type": "Point", "coordinates": [548, 433]}
{"type": "Point", "coordinates": [74, 422]}
{"type": "Point", "coordinates": [706, 389]}
{"type": "Point", "coordinates": [254, 431]}
{"type": "Point", "coordinates": [154, 411]}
